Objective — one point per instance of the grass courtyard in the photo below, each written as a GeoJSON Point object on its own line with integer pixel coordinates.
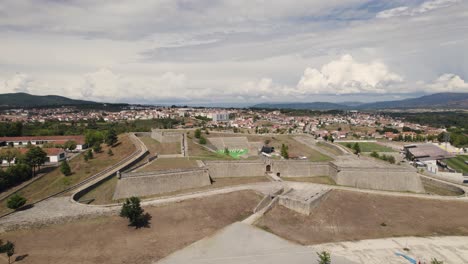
{"type": "Point", "coordinates": [458, 163]}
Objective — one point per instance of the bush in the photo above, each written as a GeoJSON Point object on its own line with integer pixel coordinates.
{"type": "Point", "coordinates": [97, 148]}
{"type": "Point", "coordinates": [374, 154]}
{"type": "Point", "coordinates": [202, 140]}
{"type": "Point", "coordinates": [16, 201]}
{"type": "Point", "coordinates": [132, 210]}
{"type": "Point", "coordinates": [110, 153]}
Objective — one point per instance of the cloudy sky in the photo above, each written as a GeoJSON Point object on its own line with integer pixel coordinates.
{"type": "Point", "coordinates": [233, 51]}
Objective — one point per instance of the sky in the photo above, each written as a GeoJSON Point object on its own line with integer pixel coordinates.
{"type": "Point", "coordinates": [231, 52]}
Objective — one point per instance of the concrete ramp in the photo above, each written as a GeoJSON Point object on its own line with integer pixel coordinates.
{"type": "Point", "coordinates": [241, 243]}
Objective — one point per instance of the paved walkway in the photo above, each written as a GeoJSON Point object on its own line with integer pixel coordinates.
{"type": "Point", "coordinates": [450, 250]}
{"type": "Point", "coordinates": [243, 243]}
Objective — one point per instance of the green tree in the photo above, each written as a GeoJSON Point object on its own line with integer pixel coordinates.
{"type": "Point", "coordinates": [226, 151]}
{"type": "Point", "coordinates": [70, 145]}
{"type": "Point", "coordinates": [202, 140]}
{"type": "Point", "coordinates": [357, 148]}
{"type": "Point", "coordinates": [16, 201]}
{"type": "Point", "coordinates": [132, 210]}
{"type": "Point", "coordinates": [65, 168]}
{"type": "Point", "coordinates": [391, 159]}
{"type": "Point", "coordinates": [92, 137]}
{"type": "Point", "coordinates": [111, 138]}
{"type": "Point", "coordinates": [35, 157]}
{"type": "Point", "coordinates": [110, 153]}
{"type": "Point", "coordinates": [324, 257]}
{"type": "Point", "coordinates": [9, 155]}
{"type": "Point", "coordinates": [8, 248]}
{"type": "Point", "coordinates": [285, 151]}
{"type": "Point", "coordinates": [197, 133]}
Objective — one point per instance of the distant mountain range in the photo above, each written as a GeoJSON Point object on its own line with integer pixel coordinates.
{"type": "Point", "coordinates": [29, 100]}
{"type": "Point", "coordinates": [24, 100]}
{"type": "Point", "coordinates": [438, 100]}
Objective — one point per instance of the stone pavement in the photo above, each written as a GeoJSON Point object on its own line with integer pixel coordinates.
{"type": "Point", "coordinates": [241, 243]}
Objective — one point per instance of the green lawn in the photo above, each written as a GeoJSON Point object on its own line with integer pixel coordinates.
{"type": "Point", "coordinates": [369, 147]}
{"type": "Point", "coordinates": [458, 163]}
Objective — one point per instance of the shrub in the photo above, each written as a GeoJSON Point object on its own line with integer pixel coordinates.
{"type": "Point", "coordinates": [202, 140]}
{"type": "Point", "coordinates": [16, 201]}
{"type": "Point", "coordinates": [110, 153]}
{"type": "Point", "coordinates": [324, 257]}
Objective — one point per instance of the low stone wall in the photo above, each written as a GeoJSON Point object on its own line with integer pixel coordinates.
{"type": "Point", "coordinates": [228, 169]}
{"type": "Point", "coordinates": [389, 179]}
{"type": "Point", "coordinates": [159, 182]}
{"type": "Point", "coordinates": [299, 168]}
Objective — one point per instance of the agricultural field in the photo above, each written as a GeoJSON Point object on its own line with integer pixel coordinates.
{"type": "Point", "coordinates": [369, 147]}
{"type": "Point", "coordinates": [458, 163]}
{"type": "Point", "coordinates": [55, 181]}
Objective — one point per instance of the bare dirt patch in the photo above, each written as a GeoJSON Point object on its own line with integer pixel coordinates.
{"type": "Point", "coordinates": [346, 215]}
{"type": "Point", "coordinates": [109, 239]}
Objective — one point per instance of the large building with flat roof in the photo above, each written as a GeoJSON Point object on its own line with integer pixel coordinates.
{"type": "Point", "coordinates": [425, 152]}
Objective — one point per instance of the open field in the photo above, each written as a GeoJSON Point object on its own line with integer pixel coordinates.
{"type": "Point", "coordinates": [55, 181]}
{"type": "Point", "coordinates": [169, 164]}
{"type": "Point", "coordinates": [369, 147]}
{"type": "Point", "coordinates": [316, 179]}
{"type": "Point", "coordinates": [436, 188]}
{"type": "Point", "coordinates": [103, 193]}
{"type": "Point", "coordinates": [346, 215]}
{"type": "Point", "coordinates": [458, 163]}
{"type": "Point", "coordinates": [156, 147]}
{"type": "Point", "coordinates": [109, 240]}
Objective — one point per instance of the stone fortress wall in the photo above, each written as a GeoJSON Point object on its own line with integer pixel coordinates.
{"type": "Point", "coordinates": [159, 182]}
{"type": "Point", "coordinates": [392, 178]}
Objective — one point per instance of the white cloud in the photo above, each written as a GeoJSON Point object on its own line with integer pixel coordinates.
{"type": "Point", "coordinates": [420, 9]}
{"type": "Point", "coordinates": [448, 82]}
{"type": "Point", "coordinates": [19, 82]}
{"type": "Point", "coordinates": [106, 85]}
{"type": "Point", "coordinates": [346, 76]}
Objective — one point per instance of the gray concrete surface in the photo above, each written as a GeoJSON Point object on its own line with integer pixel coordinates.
{"type": "Point", "coordinates": [241, 243]}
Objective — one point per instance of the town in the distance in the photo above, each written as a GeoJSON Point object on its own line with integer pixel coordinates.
{"type": "Point", "coordinates": [194, 181]}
